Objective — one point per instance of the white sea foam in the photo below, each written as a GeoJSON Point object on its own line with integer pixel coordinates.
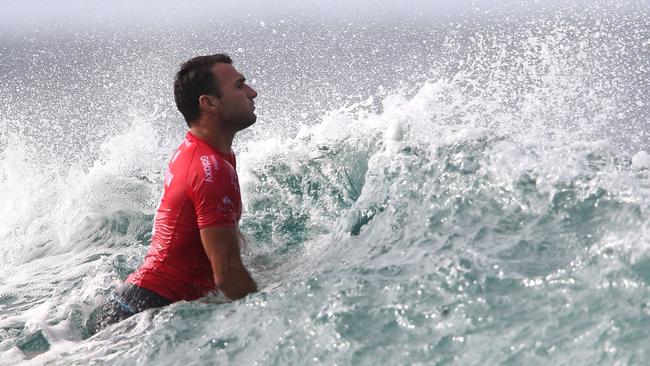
{"type": "Point", "coordinates": [489, 211]}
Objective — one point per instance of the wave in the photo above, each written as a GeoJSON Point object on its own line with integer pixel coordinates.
{"type": "Point", "coordinates": [494, 209]}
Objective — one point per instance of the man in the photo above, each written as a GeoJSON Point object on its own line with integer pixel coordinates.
{"type": "Point", "coordinates": [195, 246]}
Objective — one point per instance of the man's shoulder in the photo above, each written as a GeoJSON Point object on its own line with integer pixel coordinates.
{"type": "Point", "coordinates": [191, 153]}
{"type": "Point", "coordinates": [207, 166]}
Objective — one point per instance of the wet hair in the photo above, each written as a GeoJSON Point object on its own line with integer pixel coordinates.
{"type": "Point", "coordinates": [195, 78]}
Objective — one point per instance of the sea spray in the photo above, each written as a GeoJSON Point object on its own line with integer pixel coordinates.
{"type": "Point", "coordinates": [482, 203]}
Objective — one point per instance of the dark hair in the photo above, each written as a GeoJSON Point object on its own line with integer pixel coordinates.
{"type": "Point", "coordinates": [195, 79]}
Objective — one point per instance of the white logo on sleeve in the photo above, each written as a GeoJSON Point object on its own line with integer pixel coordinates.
{"type": "Point", "coordinates": [228, 206]}
{"type": "Point", "coordinates": [207, 169]}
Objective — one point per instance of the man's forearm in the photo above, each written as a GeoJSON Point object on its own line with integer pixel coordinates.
{"type": "Point", "coordinates": [239, 283]}
{"type": "Point", "coordinates": [222, 246]}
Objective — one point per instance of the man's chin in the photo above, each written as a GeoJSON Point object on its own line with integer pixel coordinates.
{"type": "Point", "coordinates": [252, 119]}
{"type": "Point", "coordinates": [248, 122]}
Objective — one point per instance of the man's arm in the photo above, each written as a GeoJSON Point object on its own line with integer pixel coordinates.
{"type": "Point", "coordinates": [221, 245]}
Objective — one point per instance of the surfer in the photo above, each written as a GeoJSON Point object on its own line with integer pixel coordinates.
{"type": "Point", "coordinates": [195, 244]}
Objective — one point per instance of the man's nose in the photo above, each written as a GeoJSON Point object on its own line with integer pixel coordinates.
{"type": "Point", "coordinates": [251, 93]}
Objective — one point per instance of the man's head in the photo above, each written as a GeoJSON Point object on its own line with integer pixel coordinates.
{"type": "Point", "coordinates": [209, 86]}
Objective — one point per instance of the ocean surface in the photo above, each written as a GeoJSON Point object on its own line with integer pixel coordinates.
{"type": "Point", "coordinates": [465, 190]}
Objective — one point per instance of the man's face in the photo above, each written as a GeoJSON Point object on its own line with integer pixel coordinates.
{"type": "Point", "coordinates": [237, 107]}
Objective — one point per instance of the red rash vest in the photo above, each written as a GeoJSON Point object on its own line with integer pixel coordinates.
{"type": "Point", "coordinates": [201, 190]}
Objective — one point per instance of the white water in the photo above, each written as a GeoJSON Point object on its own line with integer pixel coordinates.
{"type": "Point", "coordinates": [486, 203]}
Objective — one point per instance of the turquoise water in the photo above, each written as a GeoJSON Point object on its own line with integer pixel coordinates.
{"type": "Point", "coordinates": [449, 192]}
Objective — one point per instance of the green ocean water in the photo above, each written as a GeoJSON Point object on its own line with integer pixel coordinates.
{"type": "Point", "coordinates": [443, 193]}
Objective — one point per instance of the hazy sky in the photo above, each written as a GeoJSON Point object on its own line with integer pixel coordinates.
{"type": "Point", "coordinates": [29, 13]}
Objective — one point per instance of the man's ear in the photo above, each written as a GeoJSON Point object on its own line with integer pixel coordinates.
{"type": "Point", "coordinates": [209, 103]}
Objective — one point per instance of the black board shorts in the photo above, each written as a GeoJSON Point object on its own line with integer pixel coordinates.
{"type": "Point", "coordinates": [126, 300]}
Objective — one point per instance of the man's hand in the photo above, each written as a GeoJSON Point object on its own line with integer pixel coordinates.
{"type": "Point", "coordinates": [221, 245]}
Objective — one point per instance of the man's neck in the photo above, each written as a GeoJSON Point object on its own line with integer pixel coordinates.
{"type": "Point", "coordinates": [219, 139]}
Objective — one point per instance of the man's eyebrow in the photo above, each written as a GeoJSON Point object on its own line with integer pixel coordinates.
{"type": "Point", "coordinates": [241, 79]}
